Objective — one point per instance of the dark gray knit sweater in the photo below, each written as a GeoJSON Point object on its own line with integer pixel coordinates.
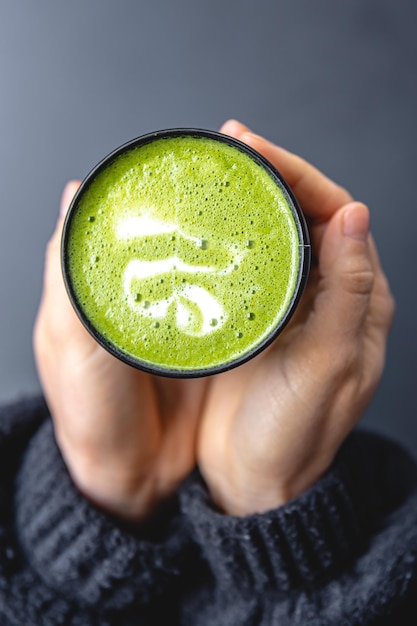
{"type": "Point", "coordinates": [345, 552]}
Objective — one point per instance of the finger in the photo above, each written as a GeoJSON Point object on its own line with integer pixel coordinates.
{"type": "Point", "coordinates": [234, 128]}
{"type": "Point", "coordinates": [52, 277]}
{"type": "Point", "coordinates": [382, 287]}
{"type": "Point", "coordinates": [318, 196]}
{"type": "Point", "coordinates": [56, 314]}
{"type": "Point", "coordinates": [382, 305]}
{"type": "Point", "coordinates": [68, 193]}
{"type": "Point", "coordinates": [346, 280]}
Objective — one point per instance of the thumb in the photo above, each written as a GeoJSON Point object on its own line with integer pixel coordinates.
{"type": "Point", "coordinates": [346, 279]}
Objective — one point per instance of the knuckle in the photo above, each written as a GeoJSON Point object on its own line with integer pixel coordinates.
{"type": "Point", "coordinates": [358, 281]}
{"type": "Point", "coordinates": [390, 307]}
{"type": "Point", "coordinates": [383, 311]}
{"type": "Point", "coordinates": [341, 363]}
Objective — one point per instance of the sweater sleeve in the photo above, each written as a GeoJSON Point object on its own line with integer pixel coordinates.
{"type": "Point", "coordinates": [80, 552]}
{"type": "Point", "coordinates": [345, 552]}
{"type": "Point", "coordinates": [346, 547]}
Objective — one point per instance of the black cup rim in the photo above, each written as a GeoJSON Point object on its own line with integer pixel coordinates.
{"type": "Point", "coordinates": [303, 235]}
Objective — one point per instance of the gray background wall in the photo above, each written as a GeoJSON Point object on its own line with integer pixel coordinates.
{"type": "Point", "coordinates": [334, 81]}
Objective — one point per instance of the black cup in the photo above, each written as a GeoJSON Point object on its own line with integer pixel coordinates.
{"type": "Point", "coordinates": [304, 253]}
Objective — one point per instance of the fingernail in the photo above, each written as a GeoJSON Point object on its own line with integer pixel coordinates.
{"type": "Point", "coordinates": [356, 221]}
{"type": "Point", "coordinates": [249, 135]}
{"type": "Point", "coordinates": [234, 128]}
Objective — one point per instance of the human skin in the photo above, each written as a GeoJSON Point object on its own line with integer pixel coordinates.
{"type": "Point", "coordinates": [262, 433]}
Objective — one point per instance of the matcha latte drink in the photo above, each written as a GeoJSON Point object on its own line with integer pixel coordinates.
{"type": "Point", "coordinates": [184, 253]}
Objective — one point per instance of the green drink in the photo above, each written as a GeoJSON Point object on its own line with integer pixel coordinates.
{"type": "Point", "coordinates": [184, 253]}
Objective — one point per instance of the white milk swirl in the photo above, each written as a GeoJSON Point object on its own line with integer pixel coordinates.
{"type": "Point", "coordinates": [186, 297]}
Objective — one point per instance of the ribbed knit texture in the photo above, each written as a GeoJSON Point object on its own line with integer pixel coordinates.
{"type": "Point", "coordinates": [296, 546]}
{"type": "Point", "coordinates": [336, 555]}
{"type": "Point", "coordinates": [79, 550]}
{"type": "Point", "coordinates": [345, 552]}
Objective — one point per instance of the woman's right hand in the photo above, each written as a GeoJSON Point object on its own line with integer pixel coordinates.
{"type": "Point", "coordinates": [272, 427]}
{"type": "Point", "coordinates": [127, 438]}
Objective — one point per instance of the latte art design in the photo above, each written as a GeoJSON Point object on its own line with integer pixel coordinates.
{"type": "Point", "coordinates": [197, 311]}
